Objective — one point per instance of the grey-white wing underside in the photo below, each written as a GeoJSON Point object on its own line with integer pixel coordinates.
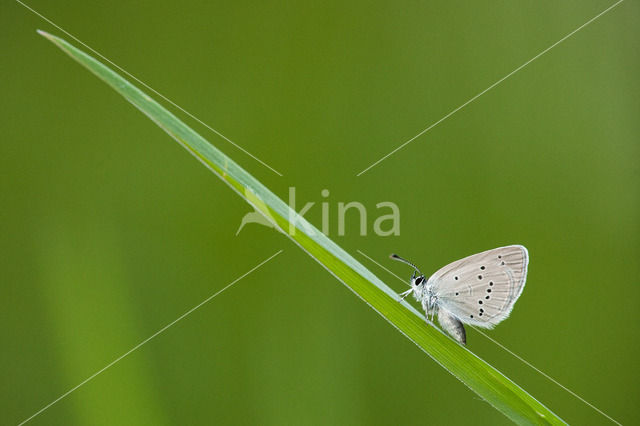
{"type": "Point", "coordinates": [481, 289]}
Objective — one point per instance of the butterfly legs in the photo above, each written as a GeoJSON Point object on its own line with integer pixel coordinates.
{"type": "Point", "coordinates": [404, 294]}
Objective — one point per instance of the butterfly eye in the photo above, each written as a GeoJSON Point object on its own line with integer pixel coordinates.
{"type": "Point", "coordinates": [419, 280]}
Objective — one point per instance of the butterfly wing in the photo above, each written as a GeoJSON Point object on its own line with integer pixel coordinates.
{"type": "Point", "coordinates": [481, 289]}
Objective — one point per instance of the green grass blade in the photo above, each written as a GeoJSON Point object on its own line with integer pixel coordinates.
{"type": "Point", "coordinates": [482, 378]}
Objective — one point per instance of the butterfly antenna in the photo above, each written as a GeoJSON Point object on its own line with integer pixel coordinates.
{"type": "Point", "coordinates": [396, 257]}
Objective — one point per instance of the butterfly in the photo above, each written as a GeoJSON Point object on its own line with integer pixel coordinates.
{"type": "Point", "coordinates": [478, 290]}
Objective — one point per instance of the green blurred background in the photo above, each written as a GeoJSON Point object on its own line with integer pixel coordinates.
{"type": "Point", "coordinates": [110, 230]}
